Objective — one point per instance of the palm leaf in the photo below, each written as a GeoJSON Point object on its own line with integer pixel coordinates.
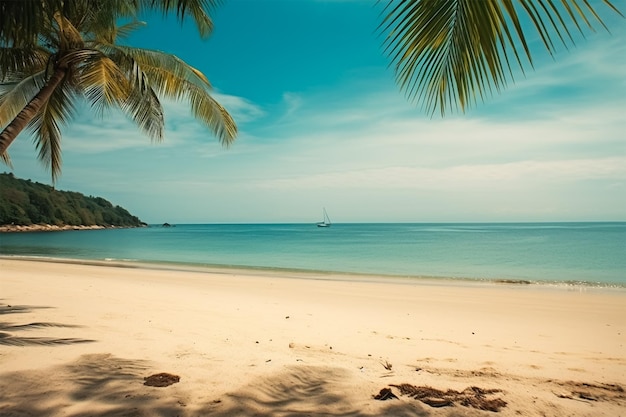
{"type": "Point", "coordinates": [23, 21]}
{"type": "Point", "coordinates": [69, 36]}
{"type": "Point", "coordinates": [144, 108]}
{"type": "Point", "coordinates": [17, 63]}
{"type": "Point", "coordinates": [166, 75]}
{"type": "Point", "coordinates": [212, 114]}
{"type": "Point", "coordinates": [101, 81]}
{"type": "Point", "coordinates": [173, 78]}
{"type": "Point", "coordinates": [100, 25]}
{"type": "Point", "coordinates": [177, 68]}
{"type": "Point", "coordinates": [142, 105]}
{"type": "Point", "coordinates": [4, 157]}
{"type": "Point", "coordinates": [124, 31]}
{"type": "Point", "coordinates": [58, 110]}
{"type": "Point", "coordinates": [448, 52]}
{"type": "Point", "coordinates": [32, 15]}
{"type": "Point", "coordinates": [204, 108]}
{"type": "Point", "coordinates": [15, 96]}
{"type": "Point", "coordinates": [199, 10]}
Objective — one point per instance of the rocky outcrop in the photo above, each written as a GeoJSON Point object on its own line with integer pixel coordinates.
{"type": "Point", "coordinates": [45, 228]}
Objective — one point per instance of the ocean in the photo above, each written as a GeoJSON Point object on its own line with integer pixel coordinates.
{"type": "Point", "coordinates": [557, 253]}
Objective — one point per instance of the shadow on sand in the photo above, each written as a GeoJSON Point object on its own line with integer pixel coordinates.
{"type": "Point", "coordinates": [101, 385]}
{"type": "Point", "coordinates": [300, 391]}
{"type": "Point", "coordinates": [7, 330]}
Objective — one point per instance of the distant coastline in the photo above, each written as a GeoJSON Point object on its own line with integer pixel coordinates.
{"type": "Point", "coordinates": [18, 228]}
{"type": "Point", "coordinates": [27, 206]}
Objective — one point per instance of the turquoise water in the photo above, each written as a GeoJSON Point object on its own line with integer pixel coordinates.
{"type": "Point", "coordinates": [591, 253]}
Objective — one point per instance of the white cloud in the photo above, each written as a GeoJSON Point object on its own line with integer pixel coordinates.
{"type": "Point", "coordinates": [240, 108]}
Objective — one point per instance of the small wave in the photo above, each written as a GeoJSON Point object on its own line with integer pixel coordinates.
{"type": "Point", "coordinates": [121, 260]}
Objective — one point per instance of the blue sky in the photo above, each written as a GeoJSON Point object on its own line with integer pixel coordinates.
{"type": "Point", "coordinates": [323, 124]}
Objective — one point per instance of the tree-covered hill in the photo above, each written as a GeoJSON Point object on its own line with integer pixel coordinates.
{"type": "Point", "coordinates": [24, 202]}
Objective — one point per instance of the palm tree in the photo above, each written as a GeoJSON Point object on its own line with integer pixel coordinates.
{"type": "Point", "coordinates": [71, 52]}
{"type": "Point", "coordinates": [446, 52]}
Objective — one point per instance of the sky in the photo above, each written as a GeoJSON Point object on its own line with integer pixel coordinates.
{"type": "Point", "coordinates": [323, 124]}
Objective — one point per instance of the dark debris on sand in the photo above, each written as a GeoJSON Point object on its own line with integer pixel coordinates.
{"type": "Point", "coordinates": [385, 394]}
{"type": "Point", "coordinates": [593, 392]}
{"type": "Point", "coordinates": [161, 380]}
{"type": "Point", "coordinates": [473, 397]}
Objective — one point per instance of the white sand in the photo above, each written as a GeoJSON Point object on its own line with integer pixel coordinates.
{"type": "Point", "coordinates": [256, 344]}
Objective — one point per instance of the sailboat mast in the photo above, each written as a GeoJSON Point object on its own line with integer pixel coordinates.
{"type": "Point", "coordinates": [326, 220]}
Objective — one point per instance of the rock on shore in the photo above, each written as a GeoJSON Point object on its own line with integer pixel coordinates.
{"type": "Point", "coordinates": [45, 228]}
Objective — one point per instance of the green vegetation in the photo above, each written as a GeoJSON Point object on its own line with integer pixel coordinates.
{"type": "Point", "coordinates": [23, 202]}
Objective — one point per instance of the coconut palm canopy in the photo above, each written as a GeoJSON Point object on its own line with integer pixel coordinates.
{"type": "Point", "coordinates": [64, 51]}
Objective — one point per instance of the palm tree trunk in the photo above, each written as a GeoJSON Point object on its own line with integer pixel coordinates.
{"type": "Point", "coordinates": [33, 107]}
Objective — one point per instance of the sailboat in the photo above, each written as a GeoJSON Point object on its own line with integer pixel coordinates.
{"type": "Point", "coordinates": [325, 222]}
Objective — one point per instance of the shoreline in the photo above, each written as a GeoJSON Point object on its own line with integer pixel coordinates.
{"type": "Point", "coordinates": [324, 275]}
{"type": "Point", "coordinates": [18, 228]}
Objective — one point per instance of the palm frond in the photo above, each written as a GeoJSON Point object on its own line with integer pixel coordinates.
{"type": "Point", "coordinates": [110, 35]}
{"type": "Point", "coordinates": [125, 30]}
{"type": "Point", "coordinates": [101, 81]}
{"type": "Point", "coordinates": [6, 159]}
{"type": "Point", "coordinates": [144, 108]}
{"type": "Point", "coordinates": [15, 96]}
{"type": "Point", "coordinates": [212, 114]}
{"type": "Point", "coordinates": [171, 77]}
{"type": "Point", "coordinates": [100, 24]}
{"type": "Point", "coordinates": [21, 21]}
{"type": "Point", "coordinates": [170, 64]}
{"type": "Point", "coordinates": [447, 52]}
{"type": "Point", "coordinates": [58, 110]}
{"type": "Point", "coordinates": [199, 10]}
{"type": "Point", "coordinates": [69, 36]}
{"type": "Point", "coordinates": [142, 104]}
{"type": "Point", "coordinates": [105, 14]}
{"type": "Point", "coordinates": [17, 63]}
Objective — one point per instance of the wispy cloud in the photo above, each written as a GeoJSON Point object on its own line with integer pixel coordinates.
{"type": "Point", "coordinates": [292, 101]}
{"type": "Point", "coordinates": [460, 177]}
{"type": "Point", "coordinates": [240, 108]}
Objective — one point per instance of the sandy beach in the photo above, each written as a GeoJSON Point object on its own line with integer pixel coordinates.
{"type": "Point", "coordinates": [79, 340]}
